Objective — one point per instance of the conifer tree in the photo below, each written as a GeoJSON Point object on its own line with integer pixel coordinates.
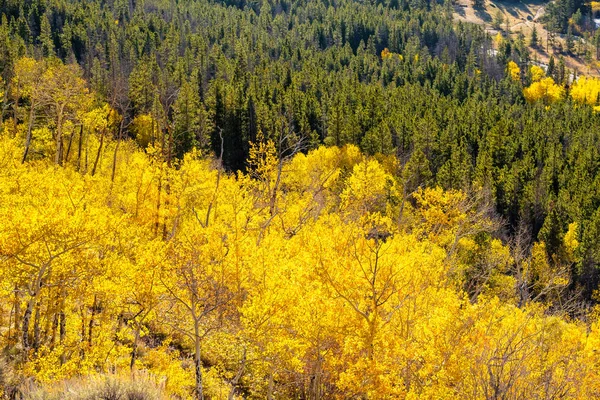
{"type": "Point", "coordinates": [534, 40]}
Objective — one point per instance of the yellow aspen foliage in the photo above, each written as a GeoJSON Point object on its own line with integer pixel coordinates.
{"type": "Point", "coordinates": [27, 71]}
{"type": "Point", "coordinates": [514, 71]}
{"type": "Point", "coordinates": [445, 217]}
{"type": "Point", "coordinates": [498, 39]}
{"type": "Point", "coordinates": [100, 118]}
{"type": "Point", "coordinates": [537, 73]}
{"type": "Point", "coordinates": [547, 279]}
{"type": "Point", "coordinates": [144, 129]}
{"type": "Point", "coordinates": [368, 189]}
{"type": "Point", "coordinates": [439, 210]}
{"type": "Point", "coordinates": [485, 265]}
{"type": "Point", "coordinates": [544, 90]}
{"type": "Point", "coordinates": [586, 90]}
{"type": "Point", "coordinates": [386, 54]}
{"type": "Point", "coordinates": [319, 291]}
{"type": "Point", "coordinates": [56, 90]}
{"type": "Point", "coordinates": [571, 243]}
{"type": "Point", "coordinates": [263, 160]}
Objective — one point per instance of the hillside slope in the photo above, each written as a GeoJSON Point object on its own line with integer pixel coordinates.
{"type": "Point", "coordinates": [522, 17]}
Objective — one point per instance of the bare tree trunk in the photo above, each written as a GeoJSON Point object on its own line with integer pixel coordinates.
{"type": "Point", "coordinates": [157, 220]}
{"type": "Point", "coordinates": [219, 170]}
{"type": "Point", "coordinates": [160, 179]}
{"type": "Point", "coordinates": [92, 321]}
{"type": "Point", "coordinates": [54, 330]}
{"type": "Point", "coordinates": [33, 297]}
{"type": "Point", "coordinates": [59, 136]}
{"type": "Point", "coordinates": [114, 166]}
{"type": "Point", "coordinates": [271, 386]}
{"type": "Point", "coordinates": [315, 382]}
{"type": "Point", "coordinates": [82, 334]}
{"type": "Point", "coordinates": [26, 321]}
{"type": "Point", "coordinates": [62, 323]}
{"type": "Point", "coordinates": [69, 146]}
{"type": "Point", "coordinates": [198, 361]}
{"type": "Point", "coordinates": [273, 202]}
{"type": "Point", "coordinates": [79, 147]}
{"type": "Point", "coordinates": [237, 377]}
{"type": "Point", "coordinates": [15, 108]}
{"type": "Point", "coordinates": [168, 183]}
{"type": "Point", "coordinates": [99, 152]}
{"type": "Point", "coordinates": [134, 350]}
{"type": "Point", "coordinates": [169, 144]}
{"type": "Point", "coordinates": [87, 151]}
{"type": "Point", "coordinates": [29, 133]}
{"type": "Point", "coordinates": [36, 328]}
{"type": "Point", "coordinates": [4, 105]}
{"type": "Point", "coordinates": [17, 308]}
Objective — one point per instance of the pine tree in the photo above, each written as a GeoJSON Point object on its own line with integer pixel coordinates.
{"type": "Point", "coordinates": [569, 40]}
{"type": "Point", "coordinates": [561, 73]}
{"type": "Point", "coordinates": [596, 42]}
{"type": "Point", "coordinates": [498, 20]}
{"type": "Point", "coordinates": [550, 71]}
{"type": "Point", "coordinates": [534, 41]}
{"type": "Point", "coordinates": [46, 37]}
{"type": "Point", "coordinates": [478, 4]}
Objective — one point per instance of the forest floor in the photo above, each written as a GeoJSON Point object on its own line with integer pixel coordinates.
{"type": "Point", "coordinates": [522, 16]}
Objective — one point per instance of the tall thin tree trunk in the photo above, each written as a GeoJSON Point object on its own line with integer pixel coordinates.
{"type": "Point", "coordinates": [54, 330]}
{"type": "Point", "coordinates": [99, 152]}
{"type": "Point", "coordinates": [79, 147]}
{"type": "Point", "coordinates": [26, 322]}
{"type": "Point", "coordinates": [273, 201]}
{"type": "Point", "coordinates": [219, 170]}
{"type": "Point", "coordinates": [69, 146]}
{"type": "Point", "coordinates": [59, 137]}
{"type": "Point", "coordinates": [4, 106]}
{"type": "Point", "coordinates": [29, 133]}
{"type": "Point", "coordinates": [315, 382]}
{"type": "Point", "coordinates": [198, 361]}
{"type": "Point", "coordinates": [114, 166]}
{"type": "Point", "coordinates": [15, 108]}
{"type": "Point", "coordinates": [238, 376]}
{"type": "Point", "coordinates": [92, 321]}
{"type": "Point", "coordinates": [134, 350]}
{"type": "Point", "coordinates": [270, 387]}
{"type": "Point", "coordinates": [168, 182]}
{"type": "Point", "coordinates": [87, 151]}
{"type": "Point", "coordinates": [62, 322]}
{"type": "Point", "coordinates": [36, 328]}
{"type": "Point", "coordinates": [17, 308]}
{"type": "Point", "coordinates": [160, 177]}
{"type": "Point", "coordinates": [157, 220]}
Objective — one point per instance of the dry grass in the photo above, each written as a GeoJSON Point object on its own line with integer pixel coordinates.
{"type": "Point", "coordinates": [9, 380]}
{"type": "Point", "coordinates": [100, 387]}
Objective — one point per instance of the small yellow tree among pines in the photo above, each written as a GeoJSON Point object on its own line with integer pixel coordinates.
{"type": "Point", "coordinates": [586, 90]}
{"type": "Point", "coordinates": [514, 71]}
{"type": "Point", "coordinates": [542, 88]}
